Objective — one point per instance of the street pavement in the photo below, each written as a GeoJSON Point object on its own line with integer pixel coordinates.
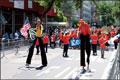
{"type": "Point", "coordinates": [59, 67]}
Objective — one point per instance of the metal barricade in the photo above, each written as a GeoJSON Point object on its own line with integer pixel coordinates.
{"type": "Point", "coordinates": [12, 43]}
{"type": "Point", "coordinates": [115, 71]}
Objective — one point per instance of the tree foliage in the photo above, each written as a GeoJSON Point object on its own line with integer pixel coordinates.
{"type": "Point", "coordinates": [78, 4]}
{"type": "Point", "coordinates": [116, 10]}
{"type": "Point", "coordinates": [105, 10]}
{"type": "Point", "coordinates": [58, 4]}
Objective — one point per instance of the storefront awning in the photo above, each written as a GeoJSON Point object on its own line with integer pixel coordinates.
{"type": "Point", "coordinates": [57, 24]}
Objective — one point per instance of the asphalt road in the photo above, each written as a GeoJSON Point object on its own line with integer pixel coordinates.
{"type": "Point", "coordinates": [59, 67]}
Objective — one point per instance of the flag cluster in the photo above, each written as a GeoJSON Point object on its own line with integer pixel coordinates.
{"type": "Point", "coordinates": [25, 27]}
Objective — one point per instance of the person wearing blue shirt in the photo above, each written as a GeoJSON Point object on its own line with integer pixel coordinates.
{"type": "Point", "coordinates": [6, 36]}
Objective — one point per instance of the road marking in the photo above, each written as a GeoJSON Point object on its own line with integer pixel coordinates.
{"type": "Point", "coordinates": [100, 60]}
{"type": "Point", "coordinates": [74, 75]}
{"type": "Point", "coordinates": [77, 59]}
{"type": "Point", "coordinates": [70, 73]}
{"type": "Point", "coordinates": [93, 58]}
{"type": "Point", "coordinates": [62, 72]}
{"type": "Point", "coordinates": [48, 70]}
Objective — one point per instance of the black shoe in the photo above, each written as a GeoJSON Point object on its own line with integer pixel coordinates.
{"type": "Point", "coordinates": [44, 65]}
{"type": "Point", "coordinates": [93, 54]}
{"type": "Point", "coordinates": [37, 53]}
{"type": "Point", "coordinates": [27, 65]}
{"type": "Point", "coordinates": [66, 56]}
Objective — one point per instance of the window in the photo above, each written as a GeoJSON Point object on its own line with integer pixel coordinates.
{"type": "Point", "coordinates": [11, 0]}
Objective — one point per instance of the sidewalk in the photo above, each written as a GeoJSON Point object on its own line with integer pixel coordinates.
{"type": "Point", "coordinates": [58, 66]}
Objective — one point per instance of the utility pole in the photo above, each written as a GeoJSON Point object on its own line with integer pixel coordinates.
{"type": "Point", "coordinates": [46, 22]}
{"type": "Point", "coordinates": [81, 11]}
{"type": "Point", "coordinates": [0, 22]}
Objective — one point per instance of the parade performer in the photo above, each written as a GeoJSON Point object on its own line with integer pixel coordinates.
{"type": "Point", "coordinates": [85, 44]}
{"type": "Point", "coordinates": [37, 46]}
{"type": "Point", "coordinates": [116, 43]}
{"type": "Point", "coordinates": [107, 44]}
{"type": "Point", "coordinates": [53, 40]}
{"type": "Point", "coordinates": [66, 43]}
{"type": "Point", "coordinates": [94, 39]}
{"type": "Point", "coordinates": [38, 29]}
{"type": "Point", "coordinates": [61, 39]}
{"type": "Point", "coordinates": [102, 42]}
{"type": "Point", "coordinates": [45, 42]}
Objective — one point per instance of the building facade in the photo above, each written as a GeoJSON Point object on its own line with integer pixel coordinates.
{"type": "Point", "coordinates": [86, 12]}
{"type": "Point", "coordinates": [15, 12]}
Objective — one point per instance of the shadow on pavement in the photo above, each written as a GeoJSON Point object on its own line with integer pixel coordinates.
{"type": "Point", "coordinates": [40, 68]}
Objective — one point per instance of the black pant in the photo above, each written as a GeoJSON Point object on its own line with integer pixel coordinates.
{"type": "Point", "coordinates": [53, 43]}
{"type": "Point", "coordinates": [85, 44]}
{"type": "Point", "coordinates": [43, 55]}
{"type": "Point", "coordinates": [46, 46]}
{"type": "Point", "coordinates": [65, 50]}
{"type": "Point", "coordinates": [115, 44]}
{"type": "Point", "coordinates": [60, 42]}
{"type": "Point", "coordinates": [94, 48]}
{"type": "Point", "coordinates": [37, 47]}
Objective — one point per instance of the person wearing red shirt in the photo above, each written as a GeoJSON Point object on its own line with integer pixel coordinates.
{"type": "Point", "coordinates": [53, 40]}
{"type": "Point", "coordinates": [66, 43]}
{"type": "Point", "coordinates": [75, 35]}
{"type": "Point", "coordinates": [115, 43]}
{"type": "Point", "coordinates": [102, 42]}
{"type": "Point", "coordinates": [37, 46]}
{"type": "Point", "coordinates": [61, 39]}
{"type": "Point", "coordinates": [113, 33]}
{"type": "Point", "coordinates": [106, 38]}
{"type": "Point", "coordinates": [72, 34]}
{"type": "Point", "coordinates": [85, 44]}
{"type": "Point", "coordinates": [94, 39]}
{"type": "Point", "coordinates": [45, 42]}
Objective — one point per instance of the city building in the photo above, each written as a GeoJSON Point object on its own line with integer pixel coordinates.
{"type": "Point", "coordinates": [14, 12]}
{"type": "Point", "coordinates": [86, 12]}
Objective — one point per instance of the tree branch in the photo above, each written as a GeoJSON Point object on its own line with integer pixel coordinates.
{"type": "Point", "coordinates": [49, 7]}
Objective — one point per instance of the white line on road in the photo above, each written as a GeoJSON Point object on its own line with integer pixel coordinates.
{"type": "Point", "coordinates": [48, 70]}
{"type": "Point", "coordinates": [77, 58]}
{"type": "Point", "coordinates": [74, 75]}
{"type": "Point", "coordinates": [93, 58]}
{"type": "Point", "coordinates": [62, 72]}
{"type": "Point", "coordinates": [70, 73]}
{"type": "Point", "coordinates": [99, 60]}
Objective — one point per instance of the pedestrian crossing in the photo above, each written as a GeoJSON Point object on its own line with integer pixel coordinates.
{"type": "Point", "coordinates": [75, 57]}
{"type": "Point", "coordinates": [60, 67]}
{"type": "Point", "coordinates": [67, 73]}
{"type": "Point", "coordinates": [65, 70]}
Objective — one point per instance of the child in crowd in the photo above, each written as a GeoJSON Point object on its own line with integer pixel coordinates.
{"type": "Point", "coordinates": [94, 39]}
{"type": "Point", "coordinates": [66, 43]}
{"type": "Point", "coordinates": [45, 42]}
{"type": "Point", "coordinates": [53, 37]}
{"type": "Point", "coordinates": [102, 45]}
